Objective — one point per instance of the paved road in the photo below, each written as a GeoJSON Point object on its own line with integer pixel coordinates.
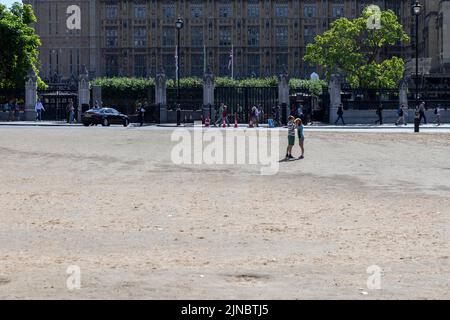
{"type": "Point", "coordinates": [430, 128]}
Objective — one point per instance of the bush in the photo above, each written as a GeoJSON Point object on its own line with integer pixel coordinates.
{"type": "Point", "coordinates": [138, 88]}
{"type": "Point", "coordinates": [186, 83]}
{"type": "Point", "coordinates": [124, 87]}
{"type": "Point", "coordinates": [250, 82]}
{"type": "Point", "coordinates": [315, 87]}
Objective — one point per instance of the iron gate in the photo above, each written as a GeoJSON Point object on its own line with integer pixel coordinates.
{"type": "Point", "coordinates": [190, 99]}
{"type": "Point", "coordinates": [244, 98]}
{"type": "Point", "coordinates": [56, 104]}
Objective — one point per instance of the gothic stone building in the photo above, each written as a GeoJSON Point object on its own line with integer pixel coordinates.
{"type": "Point", "coordinates": [134, 37]}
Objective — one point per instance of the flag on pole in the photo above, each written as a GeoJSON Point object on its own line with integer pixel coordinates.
{"type": "Point", "coordinates": [204, 59]}
{"type": "Point", "coordinates": [176, 63]}
{"type": "Point", "coordinates": [231, 62]}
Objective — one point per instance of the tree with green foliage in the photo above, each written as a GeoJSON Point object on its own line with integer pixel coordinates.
{"type": "Point", "coordinates": [353, 48]}
{"type": "Point", "coordinates": [19, 46]}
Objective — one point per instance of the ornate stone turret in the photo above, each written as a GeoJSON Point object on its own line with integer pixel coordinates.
{"type": "Point", "coordinates": [30, 95]}
{"type": "Point", "coordinates": [334, 89]}
{"type": "Point", "coordinates": [84, 93]}
{"type": "Point", "coordinates": [403, 91]}
{"type": "Point", "coordinates": [208, 94]}
{"type": "Point", "coordinates": [283, 94]}
{"type": "Point", "coordinates": [161, 94]}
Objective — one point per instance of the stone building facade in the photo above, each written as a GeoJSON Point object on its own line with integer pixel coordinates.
{"type": "Point", "coordinates": [134, 37]}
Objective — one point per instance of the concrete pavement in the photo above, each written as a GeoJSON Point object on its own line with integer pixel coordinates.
{"type": "Point", "coordinates": [316, 127]}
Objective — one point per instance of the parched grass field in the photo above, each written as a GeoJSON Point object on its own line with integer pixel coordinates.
{"type": "Point", "coordinates": [111, 201]}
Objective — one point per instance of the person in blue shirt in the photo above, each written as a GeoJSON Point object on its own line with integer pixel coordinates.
{"type": "Point", "coordinates": [301, 136]}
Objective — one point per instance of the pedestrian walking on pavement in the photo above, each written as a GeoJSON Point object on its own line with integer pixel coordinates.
{"type": "Point", "coordinates": [253, 117]}
{"type": "Point", "coordinates": [219, 115]}
{"type": "Point", "coordinates": [225, 114]}
{"type": "Point", "coordinates": [11, 111]}
{"type": "Point", "coordinates": [340, 113]}
{"type": "Point", "coordinates": [257, 115]}
{"type": "Point", "coordinates": [438, 111]}
{"type": "Point", "coordinates": [141, 115]}
{"type": "Point", "coordinates": [402, 115]}
{"type": "Point", "coordinates": [277, 116]}
{"type": "Point", "coordinates": [39, 108]}
{"type": "Point", "coordinates": [422, 115]}
{"type": "Point", "coordinates": [71, 110]}
{"type": "Point", "coordinates": [380, 115]}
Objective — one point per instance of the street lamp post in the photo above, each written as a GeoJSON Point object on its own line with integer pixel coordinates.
{"type": "Point", "coordinates": [417, 10]}
{"type": "Point", "coordinates": [179, 25]}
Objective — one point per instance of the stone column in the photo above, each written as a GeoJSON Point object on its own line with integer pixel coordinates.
{"type": "Point", "coordinates": [403, 92]}
{"type": "Point", "coordinates": [334, 89]}
{"type": "Point", "coordinates": [84, 94]}
{"type": "Point", "coordinates": [283, 96]}
{"type": "Point", "coordinates": [208, 95]}
{"type": "Point", "coordinates": [30, 95]}
{"type": "Point", "coordinates": [161, 95]}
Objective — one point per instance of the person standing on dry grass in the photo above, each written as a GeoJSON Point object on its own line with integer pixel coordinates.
{"type": "Point", "coordinates": [291, 137]}
{"type": "Point", "coordinates": [301, 136]}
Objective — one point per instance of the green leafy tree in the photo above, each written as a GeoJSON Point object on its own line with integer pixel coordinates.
{"type": "Point", "coordinates": [353, 48]}
{"type": "Point", "coordinates": [19, 46]}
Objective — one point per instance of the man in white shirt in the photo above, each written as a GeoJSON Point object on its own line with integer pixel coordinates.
{"type": "Point", "coordinates": [438, 112]}
{"type": "Point", "coordinates": [39, 108]}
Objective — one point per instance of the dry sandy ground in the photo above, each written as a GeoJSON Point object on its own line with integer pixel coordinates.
{"type": "Point", "coordinates": [110, 201]}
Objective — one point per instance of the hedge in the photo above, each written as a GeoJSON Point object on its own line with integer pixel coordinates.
{"type": "Point", "coordinates": [136, 87]}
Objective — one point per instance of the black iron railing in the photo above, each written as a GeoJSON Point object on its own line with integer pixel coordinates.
{"type": "Point", "coordinates": [189, 99]}
{"type": "Point", "coordinates": [240, 100]}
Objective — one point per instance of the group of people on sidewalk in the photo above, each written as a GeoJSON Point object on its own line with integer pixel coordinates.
{"type": "Point", "coordinates": [39, 110]}
{"type": "Point", "coordinates": [223, 114]}
{"type": "Point", "coordinates": [402, 112]}
{"type": "Point", "coordinates": [13, 110]}
{"type": "Point", "coordinates": [256, 115]}
{"type": "Point", "coordinates": [303, 113]}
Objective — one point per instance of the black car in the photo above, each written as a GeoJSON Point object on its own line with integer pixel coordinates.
{"type": "Point", "coordinates": [105, 117]}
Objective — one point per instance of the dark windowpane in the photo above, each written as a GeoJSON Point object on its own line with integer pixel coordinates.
{"type": "Point", "coordinates": [253, 36]}
{"type": "Point", "coordinates": [197, 36]}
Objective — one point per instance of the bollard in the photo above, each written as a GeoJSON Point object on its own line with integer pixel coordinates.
{"type": "Point", "coordinates": [417, 123]}
{"type": "Point", "coordinates": [178, 116]}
